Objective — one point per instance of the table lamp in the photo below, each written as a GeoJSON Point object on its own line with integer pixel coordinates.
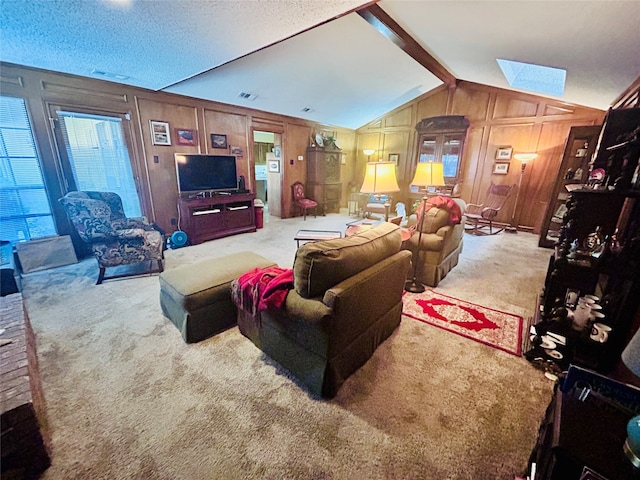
{"type": "Point", "coordinates": [428, 174]}
{"type": "Point", "coordinates": [379, 178]}
{"type": "Point", "coordinates": [631, 359]}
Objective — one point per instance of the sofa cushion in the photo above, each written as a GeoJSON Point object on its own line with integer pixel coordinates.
{"type": "Point", "coordinates": [319, 266]}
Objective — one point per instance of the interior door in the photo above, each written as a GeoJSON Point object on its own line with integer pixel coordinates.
{"type": "Point", "coordinates": [269, 170]}
{"type": "Point", "coordinates": [94, 151]}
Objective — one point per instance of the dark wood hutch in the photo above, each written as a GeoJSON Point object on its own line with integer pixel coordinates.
{"type": "Point", "coordinates": [323, 177]}
{"type": "Point", "coordinates": [441, 139]}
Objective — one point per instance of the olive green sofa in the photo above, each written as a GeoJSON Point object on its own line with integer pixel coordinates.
{"type": "Point", "coordinates": [346, 300]}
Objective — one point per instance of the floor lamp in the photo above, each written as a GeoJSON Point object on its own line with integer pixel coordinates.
{"type": "Point", "coordinates": [368, 152]}
{"type": "Point", "coordinates": [524, 159]}
{"type": "Point", "coordinates": [428, 174]}
{"type": "Point", "coordinates": [379, 178]}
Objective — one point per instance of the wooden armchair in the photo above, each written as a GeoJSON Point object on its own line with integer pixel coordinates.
{"type": "Point", "coordinates": [301, 202]}
{"type": "Point", "coordinates": [480, 217]}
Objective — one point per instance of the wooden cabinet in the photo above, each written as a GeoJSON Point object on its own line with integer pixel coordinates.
{"type": "Point", "coordinates": [216, 216]}
{"type": "Point", "coordinates": [323, 178]}
{"type": "Point", "coordinates": [612, 272]}
{"type": "Point", "coordinates": [584, 438]}
{"type": "Point", "coordinates": [441, 139]}
{"type": "Point", "coordinates": [574, 170]}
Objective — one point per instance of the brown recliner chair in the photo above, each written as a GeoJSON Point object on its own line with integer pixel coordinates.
{"type": "Point", "coordinates": [346, 300]}
{"type": "Point", "coordinates": [440, 245]}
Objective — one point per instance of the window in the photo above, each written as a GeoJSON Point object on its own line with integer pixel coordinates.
{"type": "Point", "coordinates": [25, 212]}
{"type": "Point", "coordinates": [98, 155]}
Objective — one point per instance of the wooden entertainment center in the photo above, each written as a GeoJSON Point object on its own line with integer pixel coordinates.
{"type": "Point", "coordinates": [216, 215]}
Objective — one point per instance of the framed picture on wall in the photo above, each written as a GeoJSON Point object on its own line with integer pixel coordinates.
{"type": "Point", "coordinates": [160, 134]}
{"type": "Point", "coordinates": [186, 136]}
{"type": "Point", "coordinates": [237, 151]}
{"type": "Point", "coordinates": [218, 140]}
{"type": "Point", "coordinates": [504, 153]}
{"type": "Point", "coordinates": [501, 168]}
{"type": "Point", "coordinates": [273, 166]}
{"type": "Point", "coordinates": [394, 157]}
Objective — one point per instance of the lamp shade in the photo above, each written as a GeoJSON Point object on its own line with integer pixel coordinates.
{"type": "Point", "coordinates": [380, 177]}
{"type": "Point", "coordinates": [525, 157]}
{"type": "Point", "coordinates": [429, 174]}
{"type": "Point", "coordinates": [368, 151]}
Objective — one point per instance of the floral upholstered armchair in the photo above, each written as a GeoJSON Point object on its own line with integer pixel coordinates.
{"type": "Point", "coordinates": [99, 219]}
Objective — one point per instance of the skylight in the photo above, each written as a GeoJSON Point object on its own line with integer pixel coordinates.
{"type": "Point", "coordinates": [534, 78]}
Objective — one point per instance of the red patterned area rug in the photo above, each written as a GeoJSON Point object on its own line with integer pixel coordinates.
{"type": "Point", "coordinates": [497, 329]}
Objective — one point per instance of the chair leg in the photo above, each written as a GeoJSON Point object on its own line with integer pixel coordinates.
{"type": "Point", "coordinates": [101, 276]}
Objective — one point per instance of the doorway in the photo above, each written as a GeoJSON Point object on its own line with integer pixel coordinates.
{"type": "Point", "coordinates": [267, 154]}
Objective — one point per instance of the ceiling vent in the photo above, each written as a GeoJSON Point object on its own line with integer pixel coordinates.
{"type": "Point", "coordinates": [247, 96]}
{"type": "Point", "coordinates": [306, 110]}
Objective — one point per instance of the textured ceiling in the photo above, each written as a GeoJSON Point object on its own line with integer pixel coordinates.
{"type": "Point", "coordinates": [343, 70]}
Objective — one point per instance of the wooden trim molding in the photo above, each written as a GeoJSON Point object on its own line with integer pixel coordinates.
{"type": "Point", "coordinates": [387, 26]}
{"type": "Point", "coordinates": [630, 98]}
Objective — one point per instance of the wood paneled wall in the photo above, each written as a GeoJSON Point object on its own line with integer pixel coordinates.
{"type": "Point", "coordinates": [156, 181]}
{"type": "Point", "coordinates": [498, 118]}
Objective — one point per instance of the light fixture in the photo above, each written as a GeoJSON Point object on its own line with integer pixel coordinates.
{"type": "Point", "coordinates": [428, 174]}
{"type": "Point", "coordinates": [368, 152]}
{"type": "Point", "coordinates": [379, 178]}
{"type": "Point", "coordinates": [524, 158]}
{"type": "Point", "coordinates": [631, 358]}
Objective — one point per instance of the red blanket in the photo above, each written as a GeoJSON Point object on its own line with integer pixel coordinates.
{"type": "Point", "coordinates": [455, 214]}
{"type": "Point", "coordinates": [262, 289]}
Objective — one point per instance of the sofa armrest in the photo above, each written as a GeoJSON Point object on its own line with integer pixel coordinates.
{"type": "Point", "coordinates": [310, 310]}
{"type": "Point", "coordinates": [360, 300]}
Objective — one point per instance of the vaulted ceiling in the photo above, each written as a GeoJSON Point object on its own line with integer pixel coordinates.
{"type": "Point", "coordinates": [346, 61]}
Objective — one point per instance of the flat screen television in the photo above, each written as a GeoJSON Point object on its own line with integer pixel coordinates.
{"type": "Point", "coordinates": [205, 173]}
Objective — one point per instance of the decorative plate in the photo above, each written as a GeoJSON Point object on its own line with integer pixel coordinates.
{"type": "Point", "coordinates": [597, 174]}
{"type": "Point", "coordinates": [319, 141]}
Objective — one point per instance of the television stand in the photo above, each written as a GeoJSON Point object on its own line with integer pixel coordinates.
{"type": "Point", "coordinates": [216, 216]}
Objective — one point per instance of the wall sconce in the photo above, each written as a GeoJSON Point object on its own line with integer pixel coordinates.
{"type": "Point", "coordinates": [524, 158]}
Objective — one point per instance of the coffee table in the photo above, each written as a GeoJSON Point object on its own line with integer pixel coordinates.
{"type": "Point", "coordinates": [359, 226]}
{"type": "Point", "coordinates": [315, 235]}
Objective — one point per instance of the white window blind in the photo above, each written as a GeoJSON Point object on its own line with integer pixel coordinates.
{"type": "Point", "coordinates": [25, 212]}
{"type": "Point", "coordinates": [99, 157]}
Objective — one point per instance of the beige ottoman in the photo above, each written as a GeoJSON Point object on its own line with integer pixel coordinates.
{"type": "Point", "coordinates": [197, 298]}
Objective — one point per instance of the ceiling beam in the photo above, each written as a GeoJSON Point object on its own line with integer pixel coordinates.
{"type": "Point", "coordinates": [381, 21]}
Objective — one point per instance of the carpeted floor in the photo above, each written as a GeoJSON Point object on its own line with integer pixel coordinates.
{"type": "Point", "coordinates": [127, 399]}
